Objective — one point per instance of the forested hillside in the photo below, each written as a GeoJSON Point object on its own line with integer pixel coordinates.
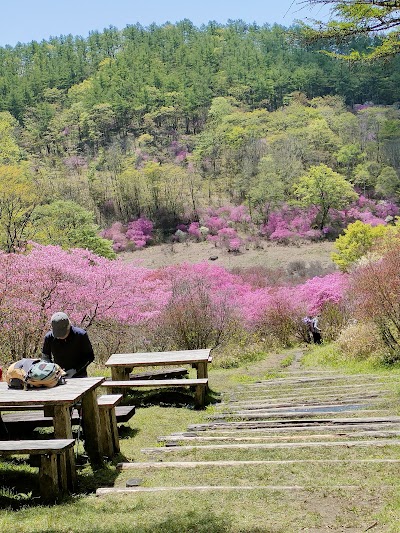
{"type": "Point", "coordinates": [160, 123]}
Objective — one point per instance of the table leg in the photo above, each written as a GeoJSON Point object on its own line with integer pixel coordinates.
{"type": "Point", "coordinates": [120, 373]}
{"type": "Point", "coordinates": [202, 370]}
{"type": "Point", "coordinates": [63, 430]}
{"type": "Point", "coordinates": [91, 427]}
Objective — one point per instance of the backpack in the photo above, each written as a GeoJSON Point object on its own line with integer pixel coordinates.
{"type": "Point", "coordinates": [34, 373]}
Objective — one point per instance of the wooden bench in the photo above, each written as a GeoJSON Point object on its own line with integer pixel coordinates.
{"type": "Point", "coordinates": [199, 384]}
{"type": "Point", "coordinates": [53, 475]}
{"type": "Point", "coordinates": [17, 423]}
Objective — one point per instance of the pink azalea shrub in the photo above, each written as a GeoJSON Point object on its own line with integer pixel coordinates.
{"type": "Point", "coordinates": [291, 222]}
{"type": "Point", "coordinates": [139, 232]}
{"type": "Point", "coordinates": [117, 234]}
{"type": "Point", "coordinates": [214, 224]}
{"type": "Point", "coordinates": [132, 236]}
{"type": "Point", "coordinates": [194, 230]}
{"type": "Point", "coordinates": [223, 217]}
{"type": "Point", "coordinates": [369, 211]}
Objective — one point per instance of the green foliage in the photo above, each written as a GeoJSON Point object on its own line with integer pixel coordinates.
{"type": "Point", "coordinates": [358, 17]}
{"type": "Point", "coordinates": [69, 225]}
{"type": "Point", "coordinates": [18, 201]}
{"type": "Point", "coordinates": [355, 242]}
{"type": "Point", "coordinates": [326, 189]}
{"type": "Point", "coordinates": [10, 152]}
{"type": "Point", "coordinates": [388, 183]}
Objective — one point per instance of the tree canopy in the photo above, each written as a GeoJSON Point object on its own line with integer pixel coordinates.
{"type": "Point", "coordinates": [378, 18]}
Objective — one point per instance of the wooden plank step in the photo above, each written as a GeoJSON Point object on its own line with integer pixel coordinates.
{"type": "Point", "coordinates": [348, 377]}
{"type": "Point", "coordinates": [294, 422]}
{"type": "Point", "coordinates": [315, 388]}
{"type": "Point", "coordinates": [124, 413]}
{"type": "Point", "coordinates": [154, 383]}
{"type": "Point", "coordinates": [210, 488]}
{"type": "Point", "coordinates": [247, 438]}
{"type": "Point", "coordinates": [276, 445]}
{"type": "Point", "coordinates": [292, 407]}
{"type": "Point", "coordinates": [199, 464]}
{"type": "Point", "coordinates": [34, 447]}
{"type": "Point", "coordinates": [288, 414]}
{"type": "Point", "coordinates": [295, 400]}
{"type": "Point", "coordinates": [292, 429]}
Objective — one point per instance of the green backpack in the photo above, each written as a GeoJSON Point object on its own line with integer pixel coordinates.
{"type": "Point", "coordinates": [34, 373]}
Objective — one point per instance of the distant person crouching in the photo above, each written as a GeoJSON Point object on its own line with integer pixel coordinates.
{"type": "Point", "coordinates": [315, 330]}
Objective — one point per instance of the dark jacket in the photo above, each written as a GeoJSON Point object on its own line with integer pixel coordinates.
{"type": "Point", "coordinates": [75, 351]}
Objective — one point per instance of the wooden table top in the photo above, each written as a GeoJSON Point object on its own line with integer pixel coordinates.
{"type": "Point", "coordinates": [69, 393]}
{"type": "Point", "coordinates": [158, 358]}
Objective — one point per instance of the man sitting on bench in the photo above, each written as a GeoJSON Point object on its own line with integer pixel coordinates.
{"type": "Point", "coordinates": [68, 346]}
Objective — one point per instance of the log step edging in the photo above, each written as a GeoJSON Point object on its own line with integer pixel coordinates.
{"type": "Point", "coordinates": [103, 491]}
{"type": "Point", "coordinates": [341, 434]}
{"type": "Point", "coordinates": [287, 430]}
{"type": "Point", "coordinates": [294, 422]}
{"type": "Point", "coordinates": [283, 414]}
{"type": "Point", "coordinates": [198, 464]}
{"type": "Point", "coordinates": [277, 445]}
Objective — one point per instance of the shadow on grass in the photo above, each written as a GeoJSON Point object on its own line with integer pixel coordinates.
{"type": "Point", "coordinates": [170, 397]}
{"type": "Point", "coordinates": [20, 482]}
{"type": "Point", "coordinates": [89, 480]}
{"type": "Point", "coordinates": [126, 432]}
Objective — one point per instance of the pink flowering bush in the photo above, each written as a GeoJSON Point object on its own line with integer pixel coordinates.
{"type": "Point", "coordinates": [135, 235]}
{"type": "Point", "coordinates": [117, 234]}
{"type": "Point", "coordinates": [139, 232]}
{"type": "Point", "coordinates": [290, 223]}
{"type": "Point", "coordinates": [214, 224]}
{"type": "Point", "coordinates": [194, 230]}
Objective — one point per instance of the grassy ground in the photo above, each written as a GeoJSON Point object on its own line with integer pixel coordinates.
{"type": "Point", "coordinates": [329, 496]}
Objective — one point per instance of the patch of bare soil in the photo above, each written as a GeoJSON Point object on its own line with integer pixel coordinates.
{"type": "Point", "coordinates": [271, 255]}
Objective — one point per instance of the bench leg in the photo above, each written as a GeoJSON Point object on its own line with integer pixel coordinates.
{"type": "Point", "coordinates": [106, 436]}
{"type": "Point", "coordinates": [48, 477]}
{"type": "Point", "coordinates": [109, 427]}
{"type": "Point", "coordinates": [114, 430]}
{"type": "Point", "coordinates": [63, 430]}
{"type": "Point", "coordinates": [63, 474]}
{"type": "Point", "coordinates": [200, 396]}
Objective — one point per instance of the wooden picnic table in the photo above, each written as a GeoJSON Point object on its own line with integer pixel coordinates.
{"type": "Point", "coordinates": [57, 402]}
{"type": "Point", "coordinates": [123, 363]}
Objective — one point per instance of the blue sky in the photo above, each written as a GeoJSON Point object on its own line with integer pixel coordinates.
{"type": "Point", "coordinates": [27, 20]}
